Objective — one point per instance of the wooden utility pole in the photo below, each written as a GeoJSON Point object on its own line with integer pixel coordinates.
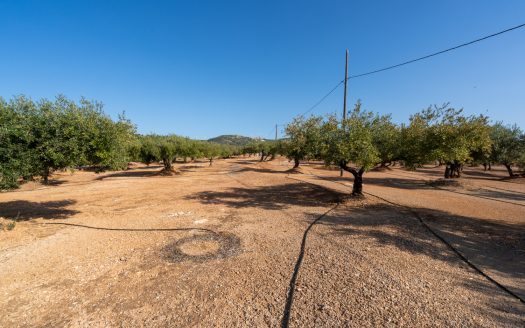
{"type": "Point", "coordinates": [344, 99]}
{"type": "Point", "coordinates": [346, 81]}
{"type": "Point", "coordinates": [275, 131]}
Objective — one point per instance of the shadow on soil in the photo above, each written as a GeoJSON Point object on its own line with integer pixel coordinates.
{"type": "Point", "coordinates": [131, 173]}
{"type": "Point", "coordinates": [22, 210]}
{"type": "Point", "coordinates": [261, 170]}
{"type": "Point", "coordinates": [470, 172]}
{"type": "Point", "coordinates": [412, 184]}
{"type": "Point", "coordinates": [269, 197]}
{"type": "Point", "coordinates": [492, 246]}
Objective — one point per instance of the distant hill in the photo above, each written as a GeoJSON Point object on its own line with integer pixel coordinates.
{"type": "Point", "coordinates": [230, 139]}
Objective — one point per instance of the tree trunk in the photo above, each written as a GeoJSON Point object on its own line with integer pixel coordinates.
{"type": "Point", "coordinates": [272, 158]}
{"type": "Point", "coordinates": [447, 172]}
{"type": "Point", "coordinates": [453, 170]}
{"type": "Point", "coordinates": [262, 156]}
{"type": "Point", "coordinates": [167, 164]}
{"type": "Point", "coordinates": [357, 188]}
{"type": "Point", "coordinates": [45, 175]}
{"type": "Point", "coordinates": [484, 166]}
{"type": "Point", "coordinates": [458, 170]}
{"type": "Point", "coordinates": [509, 169]}
{"type": "Point", "coordinates": [490, 167]}
{"type": "Point", "coordinates": [211, 161]}
{"type": "Point", "coordinates": [296, 163]}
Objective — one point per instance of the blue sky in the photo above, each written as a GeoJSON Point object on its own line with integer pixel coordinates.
{"type": "Point", "coordinates": [205, 68]}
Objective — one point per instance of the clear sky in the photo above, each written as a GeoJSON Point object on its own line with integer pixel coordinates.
{"type": "Point", "coordinates": [205, 68]}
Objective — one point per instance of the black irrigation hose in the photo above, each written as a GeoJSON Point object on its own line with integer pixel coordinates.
{"type": "Point", "coordinates": [291, 288]}
{"type": "Point", "coordinates": [443, 240]}
{"type": "Point", "coordinates": [127, 229]}
{"type": "Point", "coordinates": [452, 248]}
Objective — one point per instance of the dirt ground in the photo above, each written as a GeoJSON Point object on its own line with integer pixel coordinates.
{"type": "Point", "coordinates": [232, 245]}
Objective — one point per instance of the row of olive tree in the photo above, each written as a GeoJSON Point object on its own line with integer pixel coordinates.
{"type": "Point", "coordinates": [167, 148]}
{"type": "Point", "coordinates": [37, 138]}
{"type": "Point", "coordinates": [266, 149]}
{"type": "Point", "coordinates": [365, 140]}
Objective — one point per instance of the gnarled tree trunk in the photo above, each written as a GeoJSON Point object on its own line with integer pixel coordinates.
{"type": "Point", "coordinates": [509, 169]}
{"type": "Point", "coordinates": [357, 187]}
{"type": "Point", "coordinates": [167, 164]}
{"type": "Point", "coordinates": [296, 163]}
{"type": "Point", "coordinates": [45, 175]}
{"type": "Point", "coordinates": [453, 170]}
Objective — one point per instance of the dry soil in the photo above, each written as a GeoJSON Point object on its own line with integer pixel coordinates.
{"type": "Point", "coordinates": [220, 246]}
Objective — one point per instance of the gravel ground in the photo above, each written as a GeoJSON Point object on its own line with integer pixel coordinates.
{"type": "Point", "coordinates": [218, 246]}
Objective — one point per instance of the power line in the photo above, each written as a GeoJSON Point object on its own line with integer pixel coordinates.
{"type": "Point", "coordinates": [409, 62]}
{"type": "Point", "coordinates": [436, 53]}
{"type": "Point", "coordinates": [323, 98]}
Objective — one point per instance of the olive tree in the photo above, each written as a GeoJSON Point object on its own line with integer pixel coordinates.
{"type": "Point", "coordinates": [350, 144]}
{"type": "Point", "coordinates": [303, 138]}
{"type": "Point", "coordinates": [57, 132]}
{"type": "Point", "coordinates": [507, 145]}
{"type": "Point", "coordinates": [15, 137]}
{"type": "Point", "coordinates": [211, 150]}
{"type": "Point", "coordinates": [41, 137]}
{"type": "Point", "coordinates": [386, 138]}
{"type": "Point", "coordinates": [167, 150]}
{"type": "Point", "coordinates": [149, 151]}
{"type": "Point", "coordinates": [453, 138]}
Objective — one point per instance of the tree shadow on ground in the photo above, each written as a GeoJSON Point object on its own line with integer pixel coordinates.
{"type": "Point", "coordinates": [492, 245]}
{"type": "Point", "coordinates": [397, 183]}
{"type": "Point", "coordinates": [275, 197]}
{"type": "Point", "coordinates": [470, 172]}
{"type": "Point", "coordinates": [490, 193]}
{"type": "Point", "coordinates": [189, 167]}
{"type": "Point", "coordinates": [129, 174]}
{"type": "Point", "coordinates": [260, 170]}
{"type": "Point", "coordinates": [248, 161]}
{"type": "Point", "coordinates": [22, 210]}
{"type": "Point", "coordinates": [411, 184]}
{"type": "Point", "coordinates": [54, 182]}
{"type": "Point", "coordinates": [483, 174]}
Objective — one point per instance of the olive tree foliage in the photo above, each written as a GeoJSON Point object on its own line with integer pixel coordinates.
{"type": "Point", "coordinates": [15, 155]}
{"type": "Point", "coordinates": [157, 148]}
{"type": "Point", "coordinates": [276, 147]}
{"type": "Point", "coordinates": [412, 149]}
{"type": "Point", "coordinates": [386, 137]}
{"type": "Point", "coordinates": [38, 138]}
{"type": "Point", "coordinates": [350, 144]}
{"type": "Point", "coordinates": [508, 146]}
{"type": "Point", "coordinates": [445, 134]}
{"type": "Point", "coordinates": [167, 148]}
{"type": "Point", "coordinates": [521, 160]}
{"type": "Point", "coordinates": [249, 149]}
{"type": "Point", "coordinates": [303, 138]}
{"type": "Point", "coordinates": [147, 151]}
{"type": "Point", "coordinates": [211, 150]}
